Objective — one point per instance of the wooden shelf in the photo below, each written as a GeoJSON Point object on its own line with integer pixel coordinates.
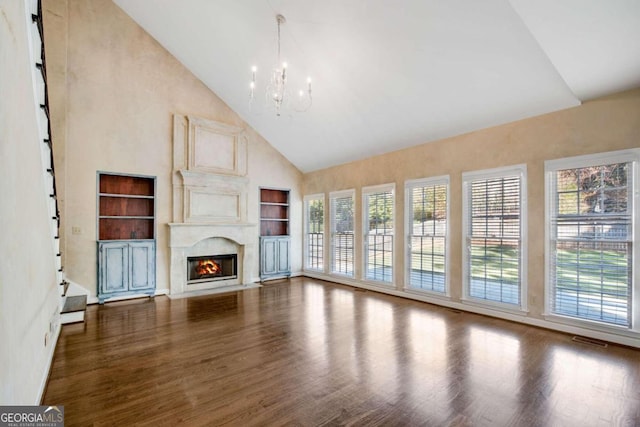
{"type": "Point", "coordinates": [126, 196]}
{"type": "Point", "coordinates": [274, 204]}
{"type": "Point", "coordinates": [125, 217]}
{"type": "Point", "coordinates": [127, 185]}
{"type": "Point", "coordinates": [126, 207]}
{"type": "Point", "coordinates": [268, 195]}
{"type": "Point", "coordinates": [274, 212]}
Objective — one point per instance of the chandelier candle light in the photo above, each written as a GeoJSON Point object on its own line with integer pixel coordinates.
{"type": "Point", "coordinates": [276, 91]}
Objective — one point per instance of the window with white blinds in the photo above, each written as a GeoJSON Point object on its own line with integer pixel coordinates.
{"type": "Point", "coordinates": [342, 232]}
{"type": "Point", "coordinates": [314, 232]}
{"type": "Point", "coordinates": [494, 225]}
{"type": "Point", "coordinates": [378, 208]}
{"type": "Point", "coordinates": [591, 229]}
{"type": "Point", "coordinates": [427, 210]}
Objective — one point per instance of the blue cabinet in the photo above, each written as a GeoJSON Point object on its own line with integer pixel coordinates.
{"type": "Point", "coordinates": [126, 235]}
{"type": "Point", "coordinates": [274, 257]}
{"type": "Point", "coordinates": [275, 243]}
{"type": "Point", "coordinates": [126, 268]}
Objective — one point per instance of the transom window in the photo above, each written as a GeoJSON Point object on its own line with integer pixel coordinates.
{"type": "Point", "coordinates": [427, 212]}
{"type": "Point", "coordinates": [314, 232]}
{"type": "Point", "coordinates": [591, 233]}
{"type": "Point", "coordinates": [342, 232]}
{"type": "Point", "coordinates": [377, 205]}
{"type": "Point", "coordinates": [494, 216]}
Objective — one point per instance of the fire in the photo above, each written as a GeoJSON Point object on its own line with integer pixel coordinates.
{"type": "Point", "coordinates": [208, 266]}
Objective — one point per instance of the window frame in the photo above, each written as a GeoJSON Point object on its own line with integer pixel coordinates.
{"type": "Point", "coordinates": [631, 156]}
{"type": "Point", "coordinates": [332, 223]}
{"type": "Point", "coordinates": [409, 186]}
{"type": "Point", "coordinates": [468, 178]}
{"type": "Point", "coordinates": [306, 203]}
{"type": "Point", "coordinates": [367, 191]}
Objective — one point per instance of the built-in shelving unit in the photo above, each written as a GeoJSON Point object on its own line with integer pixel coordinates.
{"type": "Point", "coordinates": [126, 207]}
{"type": "Point", "coordinates": [275, 243]}
{"type": "Point", "coordinates": [126, 235]}
{"type": "Point", "coordinates": [274, 212]}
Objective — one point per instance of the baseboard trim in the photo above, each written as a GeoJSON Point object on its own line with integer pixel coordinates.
{"type": "Point", "coordinates": [45, 378]}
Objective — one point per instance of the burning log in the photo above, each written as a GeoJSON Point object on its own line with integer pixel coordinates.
{"type": "Point", "coordinates": [208, 267]}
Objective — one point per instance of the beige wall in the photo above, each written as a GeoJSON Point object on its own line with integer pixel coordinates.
{"type": "Point", "coordinates": [114, 113]}
{"type": "Point", "coordinates": [605, 124]}
{"type": "Point", "coordinates": [28, 289]}
{"type": "Point", "coordinates": [117, 90]}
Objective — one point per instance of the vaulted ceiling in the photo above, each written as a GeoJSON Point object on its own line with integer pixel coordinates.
{"type": "Point", "coordinates": [392, 74]}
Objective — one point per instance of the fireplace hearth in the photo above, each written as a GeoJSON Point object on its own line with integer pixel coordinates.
{"type": "Point", "coordinates": [210, 268]}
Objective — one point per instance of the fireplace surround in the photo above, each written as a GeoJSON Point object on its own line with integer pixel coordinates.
{"type": "Point", "coordinates": [209, 268]}
{"type": "Point", "coordinates": [210, 192]}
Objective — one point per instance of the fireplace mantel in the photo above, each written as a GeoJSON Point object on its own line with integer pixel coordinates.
{"type": "Point", "coordinates": [210, 191]}
{"type": "Point", "coordinates": [183, 236]}
{"type": "Point", "coordinates": [189, 233]}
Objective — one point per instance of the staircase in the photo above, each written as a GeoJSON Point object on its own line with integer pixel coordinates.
{"type": "Point", "coordinates": [73, 298]}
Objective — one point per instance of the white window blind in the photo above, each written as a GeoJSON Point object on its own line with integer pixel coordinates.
{"type": "Point", "coordinates": [426, 207]}
{"type": "Point", "coordinates": [591, 242]}
{"type": "Point", "coordinates": [314, 233]}
{"type": "Point", "coordinates": [342, 233]}
{"type": "Point", "coordinates": [494, 228]}
{"type": "Point", "coordinates": [378, 231]}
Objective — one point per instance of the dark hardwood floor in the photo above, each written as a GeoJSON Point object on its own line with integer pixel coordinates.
{"type": "Point", "coordinates": [307, 352]}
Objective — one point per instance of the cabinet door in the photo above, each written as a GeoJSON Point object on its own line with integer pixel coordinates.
{"type": "Point", "coordinates": [114, 267]}
{"type": "Point", "coordinates": [142, 262]}
{"type": "Point", "coordinates": [268, 256]}
{"type": "Point", "coordinates": [284, 245]}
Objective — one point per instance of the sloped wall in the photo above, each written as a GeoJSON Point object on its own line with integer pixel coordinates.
{"type": "Point", "coordinates": [121, 90]}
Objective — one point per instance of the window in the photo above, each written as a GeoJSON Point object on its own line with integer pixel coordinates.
{"type": "Point", "coordinates": [342, 215]}
{"type": "Point", "coordinates": [314, 232]}
{"type": "Point", "coordinates": [377, 206]}
{"type": "Point", "coordinates": [427, 212]}
{"type": "Point", "coordinates": [590, 257]}
{"type": "Point", "coordinates": [494, 224]}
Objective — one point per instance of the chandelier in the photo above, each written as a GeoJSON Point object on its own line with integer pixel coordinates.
{"type": "Point", "coordinates": [277, 95]}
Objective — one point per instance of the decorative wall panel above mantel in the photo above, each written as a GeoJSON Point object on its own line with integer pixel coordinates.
{"type": "Point", "coordinates": [215, 147]}
{"type": "Point", "coordinates": [209, 172]}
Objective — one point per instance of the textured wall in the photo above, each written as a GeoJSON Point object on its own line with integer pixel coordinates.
{"type": "Point", "coordinates": [28, 289]}
{"type": "Point", "coordinates": [121, 89]}
{"type": "Point", "coordinates": [605, 124]}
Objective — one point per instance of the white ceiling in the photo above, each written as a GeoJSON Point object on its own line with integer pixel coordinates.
{"type": "Point", "coordinates": [392, 74]}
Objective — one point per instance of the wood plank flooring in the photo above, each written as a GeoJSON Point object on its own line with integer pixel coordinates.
{"type": "Point", "coordinates": [307, 352]}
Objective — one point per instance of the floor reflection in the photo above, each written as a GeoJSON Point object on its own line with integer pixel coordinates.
{"type": "Point", "coordinates": [587, 388]}
{"type": "Point", "coordinates": [305, 352]}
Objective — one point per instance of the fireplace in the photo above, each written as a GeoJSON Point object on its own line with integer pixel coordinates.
{"type": "Point", "coordinates": [210, 214]}
{"type": "Point", "coordinates": [210, 268]}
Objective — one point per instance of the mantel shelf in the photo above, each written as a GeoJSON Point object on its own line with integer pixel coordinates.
{"type": "Point", "coordinates": [210, 224]}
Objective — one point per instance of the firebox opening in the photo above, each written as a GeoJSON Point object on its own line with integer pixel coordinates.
{"type": "Point", "coordinates": [211, 267]}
